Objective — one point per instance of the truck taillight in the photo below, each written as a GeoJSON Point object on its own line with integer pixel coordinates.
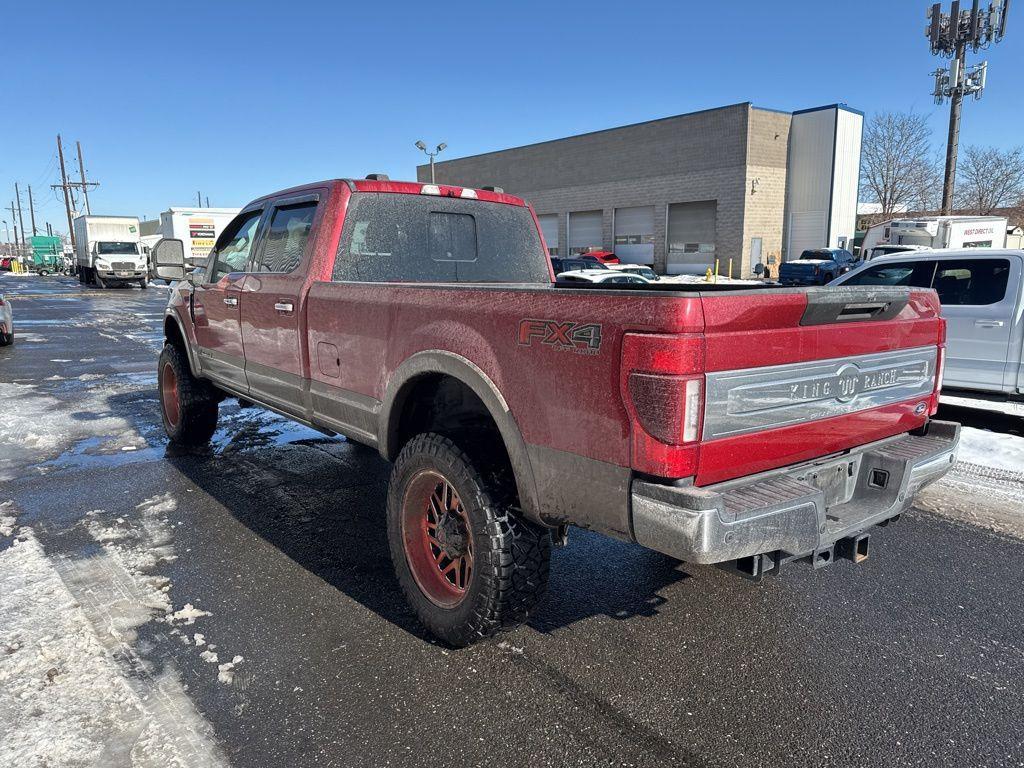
{"type": "Point", "coordinates": [663, 390]}
{"type": "Point", "coordinates": [940, 368]}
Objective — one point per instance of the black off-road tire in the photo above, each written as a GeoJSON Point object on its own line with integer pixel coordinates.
{"type": "Point", "coordinates": [512, 555]}
{"type": "Point", "coordinates": [196, 418]}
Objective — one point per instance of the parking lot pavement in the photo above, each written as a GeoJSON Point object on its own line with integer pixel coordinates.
{"type": "Point", "coordinates": [237, 607]}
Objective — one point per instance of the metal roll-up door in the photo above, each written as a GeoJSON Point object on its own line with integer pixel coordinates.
{"type": "Point", "coordinates": [634, 234]}
{"type": "Point", "coordinates": [584, 231]}
{"type": "Point", "coordinates": [549, 228]}
{"type": "Point", "coordinates": [691, 237]}
{"type": "Point", "coordinates": [807, 230]}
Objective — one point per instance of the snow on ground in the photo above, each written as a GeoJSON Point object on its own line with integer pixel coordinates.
{"type": "Point", "coordinates": [35, 426]}
{"type": "Point", "coordinates": [1010, 409]}
{"type": "Point", "coordinates": [64, 700]}
{"type": "Point", "coordinates": [991, 449]}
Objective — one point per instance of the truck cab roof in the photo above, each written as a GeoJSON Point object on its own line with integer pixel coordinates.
{"type": "Point", "coordinates": [402, 188]}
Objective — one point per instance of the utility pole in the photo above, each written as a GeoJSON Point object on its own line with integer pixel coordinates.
{"type": "Point", "coordinates": [81, 175]}
{"type": "Point", "coordinates": [14, 221]}
{"type": "Point", "coordinates": [950, 35]}
{"type": "Point", "coordinates": [20, 219]}
{"type": "Point", "coordinates": [32, 210]}
{"type": "Point", "coordinates": [199, 199]}
{"type": "Point", "coordinates": [207, 201]}
{"type": "Point", "coordinates": [67, 191]}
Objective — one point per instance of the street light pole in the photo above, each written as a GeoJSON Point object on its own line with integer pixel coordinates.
{"type": "Point", "coordinates": [423, 148]}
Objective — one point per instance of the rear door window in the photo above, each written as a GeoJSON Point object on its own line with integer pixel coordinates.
{"type": "Point", "coordinates": [975, 282]}
{"type": "Point", "coordinates": [913, 274]}
{"type": "Point", "coordinates": [419, 238]}
{"type": "Point", "coordinates": [235, 246]}
{"type": "Point", "coordinates": [287, 235]}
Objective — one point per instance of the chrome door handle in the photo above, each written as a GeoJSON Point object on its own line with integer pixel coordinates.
{"type": "Point", "coordinates": [284, 306]}
{"type": "Point", "coordinates": [989, 323]}
{"type": "Point", "coordinates": [231, 301]}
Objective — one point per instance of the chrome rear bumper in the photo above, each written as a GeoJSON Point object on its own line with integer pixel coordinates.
{"type": "Point", "coordinates": [796, 511]}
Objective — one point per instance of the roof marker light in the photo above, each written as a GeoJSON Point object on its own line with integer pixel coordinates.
{"type": "Point", "coordinates": [470, 193]}
{"type": "Point", "coordinates": [430, 189]}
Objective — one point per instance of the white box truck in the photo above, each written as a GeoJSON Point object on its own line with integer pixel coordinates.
{"type": "Point", "coordinates": [197, 228]}
{"type": "Point", "coordinates": [934, 232]}
{"type": "Point", "coordinates": [108, 252]}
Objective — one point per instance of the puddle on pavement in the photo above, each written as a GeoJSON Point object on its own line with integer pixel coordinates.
{"type": "Point", "coordinates": [91, 454]}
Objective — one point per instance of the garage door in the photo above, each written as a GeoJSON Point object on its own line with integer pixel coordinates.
{"type": "Point", "coordinates": [584, 231]}
{"type": "Point", "coordinates": [806, 230]}
{"type": "Point", "coordinates": [634, 234]}
{"type": "Point", "coordinates": [691, 237]}
{"type": "Point", "coordinates": [549, 228]}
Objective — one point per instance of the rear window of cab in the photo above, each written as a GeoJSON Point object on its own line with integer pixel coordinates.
{"type": "Point", "coordinates": [391, 237]}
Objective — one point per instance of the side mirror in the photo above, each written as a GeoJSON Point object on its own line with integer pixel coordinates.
{"type": "Point", "coordinates": [169, 257]}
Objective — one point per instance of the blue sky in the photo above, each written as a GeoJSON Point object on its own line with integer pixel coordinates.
{"type": "Point", "coordinates": [238, 99]}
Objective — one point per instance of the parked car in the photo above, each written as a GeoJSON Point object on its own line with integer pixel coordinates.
{"type": "Point", "coordinates": [601, 276]}
{"type": "Point", "coordinates": [636, 269]}
{"type": "Point", "coordinates": [422, 320]}
{"type": "Point", "coordinates": [601, 257]}
{"type": "Point", "coordinates": [568, 265]}
{"type": "Point", "coordinates": [817, 266]}
{"type": "Point", "coordinates": [982, 296]}
{"type": "Point", "coordinates": [6, 322]}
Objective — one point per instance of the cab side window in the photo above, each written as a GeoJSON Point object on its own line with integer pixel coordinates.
{"type": "Point", "coordinates": [286, 238]}
{"type": "Point", "coordinates": [913, 274]}
{"type": "Point", "coordinates": [975, 282]}
{"type": "Point", "coordinates": [235, 245]}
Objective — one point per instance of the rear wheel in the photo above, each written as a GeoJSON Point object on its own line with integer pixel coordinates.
{"type": "Point", "coordinates": [6, 339]}
{"type": "Point", "coordinates": [468, 563]}
{"type": "Point", "coordinates": [188, 404]}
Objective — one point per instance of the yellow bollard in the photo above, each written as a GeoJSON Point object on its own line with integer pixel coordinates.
{"type": "Point", "coordinates": [717, 261]}
{"type": "Point", "coordinates": [730, 267]}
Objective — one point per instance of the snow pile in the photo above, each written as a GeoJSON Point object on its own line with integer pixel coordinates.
{"type": "Point", "coordinates": [64, 702]}
{"type": "Point", "coordinates": [991, 449]}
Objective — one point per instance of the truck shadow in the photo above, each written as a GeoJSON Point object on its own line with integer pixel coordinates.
{"type": "Point", "coordinates": [321, 501]}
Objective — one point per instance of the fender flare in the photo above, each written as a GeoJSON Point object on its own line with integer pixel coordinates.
{"type": "Point", "coordinates": [432, 362]}
{"type": "Point", "coordinates": [170, 314]}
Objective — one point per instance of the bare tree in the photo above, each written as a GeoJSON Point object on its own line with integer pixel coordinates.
{"type": "Point", "coordinates": [990, 178]}
{"type": "Point", "coordinates": [898, 167]}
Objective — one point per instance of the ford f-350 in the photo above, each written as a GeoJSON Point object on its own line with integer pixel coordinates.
{"type": "Point", "coordinates": [744, 426]}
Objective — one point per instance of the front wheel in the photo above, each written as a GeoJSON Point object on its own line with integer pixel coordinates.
{"type": "Point", "coordinates": [144, 283]}
{"type": "Point", "coordinates": [188, 404]}
{"type": "Point", "coordinates": [468, 563]}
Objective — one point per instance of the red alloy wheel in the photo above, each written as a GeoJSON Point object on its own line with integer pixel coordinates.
{"type": "Point", "coordinates": [437, 538]}
{"type": "Point", "coordinates": [169, 395]}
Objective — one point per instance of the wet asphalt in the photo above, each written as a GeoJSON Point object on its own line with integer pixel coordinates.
{"type": "Point", "coordinates": [915, 657]}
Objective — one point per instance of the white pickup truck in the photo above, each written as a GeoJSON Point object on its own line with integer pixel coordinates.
{"type": "Point", "coordinates": [982, 295]}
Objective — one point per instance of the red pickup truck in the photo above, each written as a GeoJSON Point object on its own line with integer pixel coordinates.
{"type": "Point", "coordinates": [744, 426]}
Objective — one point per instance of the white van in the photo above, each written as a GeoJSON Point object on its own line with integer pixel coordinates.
{"type": "Point", "coordinates": [982, 295]}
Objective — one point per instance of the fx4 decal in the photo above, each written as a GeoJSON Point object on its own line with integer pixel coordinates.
{"type": "Point", "coordinates": [581, 338]}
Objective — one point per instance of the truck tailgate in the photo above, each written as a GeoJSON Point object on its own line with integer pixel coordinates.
{"type": "Point", "coordinates": [796, 375]}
